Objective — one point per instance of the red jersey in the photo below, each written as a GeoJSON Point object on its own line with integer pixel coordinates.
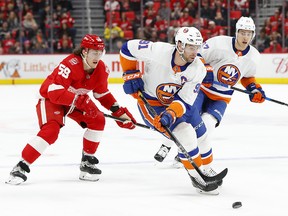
{"type": "Point", "coordinates": [69, 79]}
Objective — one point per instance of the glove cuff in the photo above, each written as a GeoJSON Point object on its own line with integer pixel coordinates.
{"type": "Point", "coordinates": [132, 74]}
{"type": "Point", "coordinates": [177, 107]}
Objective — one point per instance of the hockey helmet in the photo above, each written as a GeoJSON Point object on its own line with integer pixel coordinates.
{"type": "Point", "coordinates": [92, 42]}
{"type": "Point", "coordinates": [189, 35]}
{"type": "Point", "coordinates": [246, 23]}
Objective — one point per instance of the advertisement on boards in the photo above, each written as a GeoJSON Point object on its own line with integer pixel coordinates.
{"type": "Point", "coordinates": [34, 68]}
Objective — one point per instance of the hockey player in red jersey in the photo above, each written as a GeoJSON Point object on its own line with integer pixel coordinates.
{"type": "Point", "coordinates": [64, 93]}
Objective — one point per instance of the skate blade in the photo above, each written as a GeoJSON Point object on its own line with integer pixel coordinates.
{"type": "Point", "coordinates": [14, 180]}
{"type": "Point", "coordinates": [212, 193]}
{"type": "Point", "coordinates": [84, 176]}
{"type": "Point", "coordinates": [177, 165]}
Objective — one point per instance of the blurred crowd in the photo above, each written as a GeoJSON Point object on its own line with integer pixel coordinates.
{"type": "Point", "coordinates": [162, 18]}
{"type": "Point", "coordinates": [33, 30]}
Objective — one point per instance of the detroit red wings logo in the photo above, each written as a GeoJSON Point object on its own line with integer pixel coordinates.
{"type": "Point", "coordinates": [165, 92]}
{"type": "Point", "coordinates": [228, 74]}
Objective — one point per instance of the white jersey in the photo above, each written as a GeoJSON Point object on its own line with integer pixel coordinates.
{"type": "Point", "coordinates": [162, 78]}
{"type": "Point", "coordinates": [229, 65]}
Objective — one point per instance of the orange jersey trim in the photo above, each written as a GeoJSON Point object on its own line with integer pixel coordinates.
{"type": "Point", "coordinates": [128, 64]}
{"type": "Point", "coordinates": [216, 97]}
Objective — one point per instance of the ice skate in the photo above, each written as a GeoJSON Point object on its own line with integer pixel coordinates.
{"type": "Point", "coordinates": [202, 187]}
{"type": "Point", "coordinates": [17, 175]}
{"type": "Point", "coordinates": [209, 171]}
{"type": "Point", "coordinates": [162, 153]}
{"type": "Point", "coordinates": [89, 171]}
{"type": "Point", "coordinates": [177, 162]}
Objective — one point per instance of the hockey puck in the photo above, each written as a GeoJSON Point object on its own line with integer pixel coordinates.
{"type": "Point", "coordinates": [236, 205]}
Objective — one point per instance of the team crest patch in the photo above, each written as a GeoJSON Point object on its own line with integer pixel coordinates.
{"type": "Point", "coordinates": [73, 61]}
{"type": "Point", "coordinates": [228, 74]}
{"type": "Point", "coordinates": [185, 30]}
{"type": "Point", "coordinates": [165, 92]}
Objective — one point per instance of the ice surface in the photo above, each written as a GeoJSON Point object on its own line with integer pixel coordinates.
{"type": "Point", "coordinates": [252, 142]}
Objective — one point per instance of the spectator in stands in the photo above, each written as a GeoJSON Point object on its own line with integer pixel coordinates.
{"type": "Point", "coordinates": [275, 20]}
{"type": "Point", "coordinates": [267, 26]}
{"type": "Point", "coordinates": [161, 27]}
{"type": "Point", "coordinates": [4, 30]}
{"type": "Point", "coordinates": [164, 11]}
{"type": "Point", "coordinates": [206, 11]}
{"type": "Point", "coordinates": [215, 30]}
{"type": "Point", "coordinates": [64, 44]}
{"type": "Point", "coordinates": [147, 31]}
{"type": "Point", "coordinates": [219, 7]}
{"type": "Point", "coordinates": [219, 20]}
{"type": "Point", "coordinates": [13, 21]}
{"type": "Point", "coordinates": [37, 5]}
{"type": "Point", "coordinates": [27, 48]}
{"type": "Point", "coordinates": [1, 49]}
{"type": "Point", "coordinates": [276, 36]}
{"type": "Point", "coordinates": [192, 10]}
{"type": "Point", "coordinates": [68, 21]}
{"type": "Point", "coordinates": [30, 25]}
{"type": "Point", "coordinates": [112, 36]}
{"type": "Point", "coordinates": [125, 6]}
{"type": "Point", "coordinates": [26, 9]}
{"type": "Point", "coordinates": [40, 48]}
{"type": "Point", "coordinates": [186, 19]}
{"type": "Point", "coordinates": [38, 38]}
{"type": "Point", "coordinates": [43, 16]}
{"type": "Point", "coordinates": [177, 11]}
{"type": "Point", "coordinates": [243, 6]}
{"type": "Point", "coordinates": [263, 41]}
{"type": "Point", "coordinates": [125, 24]}
{"type": "Point", "coordinates": [65, 4]}
{"type": "Point", "coordinates": [274, 47]}
{"type": "Point", "coordinates": [65, 47]}
{"type": "Point", "coordinates": [111, 5]}
{"type": "Point", "coordinates": [8, 43]}
{"type": "Point", "coordinates": [2, 18]}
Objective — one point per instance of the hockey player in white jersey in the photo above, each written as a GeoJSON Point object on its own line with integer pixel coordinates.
{"type": "Point", "coordinates": [170, 82]}
{"type": "Point", "coordinates": [228, 60]}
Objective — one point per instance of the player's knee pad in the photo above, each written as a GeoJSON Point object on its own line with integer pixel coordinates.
{"type": "Point", "coordinates": [49, 132]}
{"type": "Point", "coordinates": [186, 135]}
{"type": "Point", "coordinates": [97, 123]}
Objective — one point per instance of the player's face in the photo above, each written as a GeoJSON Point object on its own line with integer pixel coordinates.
{"type": "Point", "coordinates": [243, 38]}
{"type": "Point", "coordinates": [190, 52]}
{"type": "Point", "coordinates": [93, 56]}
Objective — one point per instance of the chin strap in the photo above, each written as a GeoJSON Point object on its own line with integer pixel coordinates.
{"type": "Point", "coordinates": [181, 53]}
{"type": "Point", "coordinates": [85, 61]}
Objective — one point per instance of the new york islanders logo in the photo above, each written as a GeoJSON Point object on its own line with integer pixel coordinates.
{"type": "Point", "coordinates": [228, 74]}
{"type": "Point", "coordinates": [165, 92]}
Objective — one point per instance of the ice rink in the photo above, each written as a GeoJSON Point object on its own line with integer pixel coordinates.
{"type": "Point", "coordinates": [252, 142]}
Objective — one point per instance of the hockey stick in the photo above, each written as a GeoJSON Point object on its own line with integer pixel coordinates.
{"type": "Point", "coordinates": [250, 93]}
{"type": "Point", "coordinates": [207, 179]}
{"type": "Point", "coordinates": [123, 120]}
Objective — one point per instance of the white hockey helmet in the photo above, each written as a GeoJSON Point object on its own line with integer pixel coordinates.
{"type": "Point", "coordinates": [246, 23]}
{"type": "Point", "coordinates": [189, 35]}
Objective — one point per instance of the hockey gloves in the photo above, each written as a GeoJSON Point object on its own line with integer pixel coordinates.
{"type": "Point", "coordinates": [209, 78]}
{"type": "Point", "coordinates": [257, 94]}
{"type": "Point", "coordinates": [85, 104]}
{"type": "Point", "coordinates": [165, 119]}
{"type": "Point", "coordinates": [133, 82]}
{"type": "Point", "coordinates": [123, 113]}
